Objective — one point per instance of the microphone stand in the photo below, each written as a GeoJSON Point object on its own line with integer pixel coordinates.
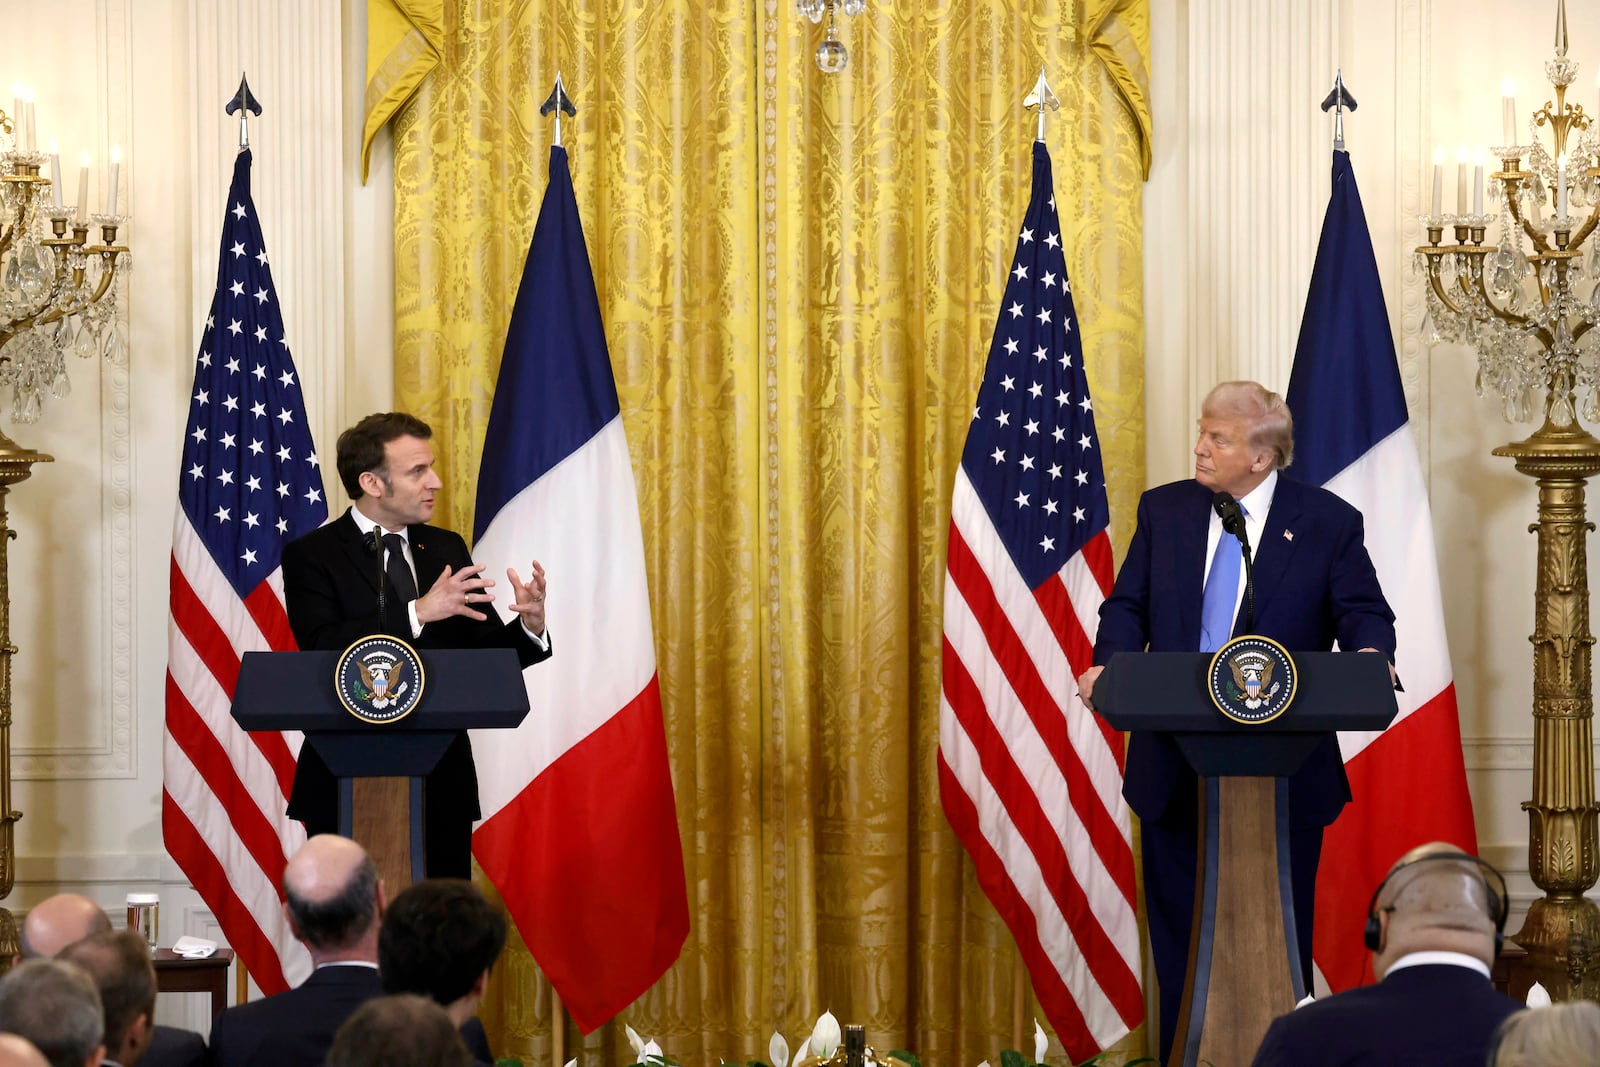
{"type": "Point", "coordinates": [383, 600]}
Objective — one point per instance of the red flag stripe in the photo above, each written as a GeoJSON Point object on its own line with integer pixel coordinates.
{"type": "Point", "coordinates": [254, 949]}
{"type": "Point", "coordinates": [1055, 999]}
{"type": "Point", "coordinates": [195, 738]}
{"type": "Point", "coordinates": [1028, 817]}
{"type": "Point", "coordinates": [1042, 709]}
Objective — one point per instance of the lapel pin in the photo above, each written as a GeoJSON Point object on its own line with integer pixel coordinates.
{"type": "Point", "coordinates": [1288, 535]}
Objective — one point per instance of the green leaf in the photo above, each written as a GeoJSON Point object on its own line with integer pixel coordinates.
{"type": "Point", "coordinates": [508, 1061]}
{"type": "Point", "coordinates": [1012, 1058]}
{"type": "Point", "coordinates": [904, 1057]}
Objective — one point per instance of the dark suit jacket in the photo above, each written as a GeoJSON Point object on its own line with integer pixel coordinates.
{"type": "Point", "coordinates": [330, 587]}
{"type": "Point", "coordinates": [1440, 1015]}
{"type": "Point", "coordinates": [1314, 584]}
{"type": "Point", "coordinates": [172, 1047]}
{"type": "Point", "coordinates": [296, 1028]}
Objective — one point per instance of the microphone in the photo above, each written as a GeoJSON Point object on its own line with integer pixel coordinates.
{"type": "Point", "coordinates": [375, 546]}
{"type": "Point", "coordinates": [1232, 516]}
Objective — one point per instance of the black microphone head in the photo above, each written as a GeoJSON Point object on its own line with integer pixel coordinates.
{"type": "Point", "coordinates": [375, 542]}
{"type": "Point", "coordinates": [1228, 509]}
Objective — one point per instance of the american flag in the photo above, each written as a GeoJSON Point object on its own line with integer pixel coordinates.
{"type": "Point", "coordinates": [249, 483]}
{"type": "Point", "coordinates": [1030, 779]}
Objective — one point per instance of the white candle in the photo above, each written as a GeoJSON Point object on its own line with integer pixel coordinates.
{"type": "Point", "coordinates": [1508, 109]}
{"type": "Point", "coordinates": [83, 189]}
{"type": "Point", "coordinates": [16, 117]}
{"type": "Point", "coordinates": [1477, 183]}
{"type": "Point", "coordinates": [1461, 180]}
{"type": "Point", "coordinates": [1438, 181]}
{"type": "Point", "coordinates": [1561, 185]}
{"type": "Point", "coordinates": [111, 190]}
{"type": "Point", "coordinates": [55, 175]}
{"type": "Point", "coordinates": [31, 124]}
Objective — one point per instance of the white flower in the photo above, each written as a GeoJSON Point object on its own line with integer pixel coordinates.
{"type": "Point", "coordinates": [651, 1051]}
{"type": "Point", "coordinates": [1041, 1042]}
{"type": "Point", "coordinates": [1538, 996]}
{"type": "Point", "coordinates": [634, 1041]}
{"type": "Point", "coordinates": [805, 1049]}
{"type": "Point", "coordinates": [778, 1050]}
{"type": "Point", "coordinates": [826, 1036]}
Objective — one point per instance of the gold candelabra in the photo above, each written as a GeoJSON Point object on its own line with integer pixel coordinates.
{"type": "Point", "coordinates": [1518, 304]}
{"type": "Point", "coordinates": [57, 293]}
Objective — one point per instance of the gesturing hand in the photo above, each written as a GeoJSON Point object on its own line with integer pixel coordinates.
{"type": "Point", "coordinates": [454, 593]}
{"type": "Point", "coordinates": [529, 597]}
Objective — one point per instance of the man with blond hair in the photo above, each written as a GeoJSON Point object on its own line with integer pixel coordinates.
{"type": "Point", "coordinates": [1434, 930]}
{"type": "Point", "coordinates": [1181, 588]}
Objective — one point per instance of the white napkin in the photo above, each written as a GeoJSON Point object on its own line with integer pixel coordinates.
{"type": "Point", "coordinates": [194, 948]}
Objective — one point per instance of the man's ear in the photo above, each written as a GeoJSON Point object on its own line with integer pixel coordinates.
{"type": "Point", "coordinates": [481, 986]}
{"type": "Point", "coordinates": [383, 898]}
{"type": "Point", "coordinates": [371, 483]}
{"type": "Point", "coordinates": [1383, 929]}
{"type": "Point", "coordinates": [96, 1058]}
{"type": "Point", "coordinates": [294, 928]}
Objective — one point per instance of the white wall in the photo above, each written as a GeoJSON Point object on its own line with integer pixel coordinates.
{"type": "Point", "coordinates": [89, 567]}
{"type": "Point", "coordinates": [1233, 211]}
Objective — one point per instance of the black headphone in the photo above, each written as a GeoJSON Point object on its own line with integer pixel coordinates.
{"type": "Point", "coordinates": [1499, 904]}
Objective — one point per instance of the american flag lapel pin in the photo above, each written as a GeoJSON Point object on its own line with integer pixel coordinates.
{"type": "Point", "coordinates": [1288, 535]}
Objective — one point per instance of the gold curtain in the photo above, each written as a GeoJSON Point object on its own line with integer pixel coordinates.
{"type": "Point", "coordinates": [799, 275]}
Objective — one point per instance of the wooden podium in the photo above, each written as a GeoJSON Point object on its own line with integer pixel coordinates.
{"type": "Point", "coordinates": [381, 767]}
{"type": "Point", "coordinates": [1244, 899]}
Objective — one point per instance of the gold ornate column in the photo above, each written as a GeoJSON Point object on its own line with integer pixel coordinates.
{"type": "Point", "coordinates": [1562, 829]}
{"type": "Point", "coordinates": [16, 465]}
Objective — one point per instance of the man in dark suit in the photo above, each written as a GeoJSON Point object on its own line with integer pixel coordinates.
{"type": "Point", "coordinates": [1434, 931]}
{"type": "Point", "coordinates": [334, 903]}
{"type": "Point", "coordinates": [382, 547]}
{"type": "Point", "coordinates": [440, 940]}
{"type": "Point", "coordinates": [58, 921]}
{"type": "Point", "coordinates": [1314, 585]}
{"type": "Point", "coordinates": [120, 965]}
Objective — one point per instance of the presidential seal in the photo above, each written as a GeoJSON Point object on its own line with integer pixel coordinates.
{"type": "Point", "coordinates": [1252, 679]}
{"type": "Point", "coordinates": [379, 679]}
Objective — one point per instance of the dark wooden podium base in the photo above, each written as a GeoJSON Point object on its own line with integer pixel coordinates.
{"type": "Point", "coordinates": [1244, 963]}
{"type": "Point", "coordinates": [385, 817]}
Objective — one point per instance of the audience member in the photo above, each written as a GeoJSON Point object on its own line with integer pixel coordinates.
{"type": "Point", "coordinates": [334, 902]}
{"type": "Point", "coordinates": [439, 939]}
{"type": "Point", "coordinates": [1434, 927]}
{"type": "Point", "coordinates": [16, 1052]}
{"type": "Point", "coordinates": [121, 968]}
{"type": "Point", "coordinates": [1560, 1035]}
{"type": "Point", "coordinates": [55, 1006]}
{"type": "Point", "coordinates": [404, 1030]}
{"type": "Point", "coordinates": [58, 921]}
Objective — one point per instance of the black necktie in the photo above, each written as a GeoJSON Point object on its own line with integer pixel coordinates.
{"type": "Point", "coordinates": [395, 565]}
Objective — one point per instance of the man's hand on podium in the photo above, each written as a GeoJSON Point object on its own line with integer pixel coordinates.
{"type": "Point", "coordinates": [1086, 682]}
{"type": "Point", "coordinates": [1393, 677]}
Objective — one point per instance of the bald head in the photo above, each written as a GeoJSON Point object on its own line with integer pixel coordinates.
{"type": "Point", "coordinates": [333, 899]}
{"type": "Point", "coordinates": [58, 921]}
{"type": "Point", "coordinates": [1441, 905]}
{"type": "Point", "coordinates": [16, 1052]}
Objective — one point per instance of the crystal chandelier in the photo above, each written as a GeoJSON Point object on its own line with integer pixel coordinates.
{"type": "Point", "coordinates": [58, 293]}
{"type": "Point", "coordinates": [832, 55]}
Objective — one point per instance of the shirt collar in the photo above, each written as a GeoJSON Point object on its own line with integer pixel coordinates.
{"type": "Point", "coordinates": [1428, 959]}
{"type": "Point", "coordinates": [366, 525]}
{"type": "Point", "coordinates": [1258, 501]}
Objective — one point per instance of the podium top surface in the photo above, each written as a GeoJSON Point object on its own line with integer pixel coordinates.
{"type": "Point", "coordinates": [1167, 692]}
{"type": "Point", "coordinates": [467, 689]}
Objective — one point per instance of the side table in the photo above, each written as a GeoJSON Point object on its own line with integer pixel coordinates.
{"type": "Point", "coordinates": [175, 974]}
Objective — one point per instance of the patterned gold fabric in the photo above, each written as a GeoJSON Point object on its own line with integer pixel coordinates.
{"type": "Point", "coordinates": [800, 275]}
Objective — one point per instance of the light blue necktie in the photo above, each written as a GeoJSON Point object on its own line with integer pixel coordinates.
{"type": "Point", "coordinates": [1221, 595]}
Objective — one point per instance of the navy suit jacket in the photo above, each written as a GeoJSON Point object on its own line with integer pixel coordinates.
{"type": "Point", "coordinates": [1314, 585]}
{"type": "Point", "coordinates": [174, 1047]}
{"type": "Point", "coordinates": [295, 1028]}
{"type": "Point", "coordinates": [1441, 1015]}
{"type": "Point", "coordinates": [330, 588]}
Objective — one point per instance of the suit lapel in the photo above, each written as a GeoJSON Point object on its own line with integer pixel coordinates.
{"type": "Point", "coordinates": [363, 560]}
{"type": "Point", "coordinates": [1277, 547]}
{"type": "Point", "coordinates": [1190, 567]}
{"type": "Point", "coordinates": [425, 556]}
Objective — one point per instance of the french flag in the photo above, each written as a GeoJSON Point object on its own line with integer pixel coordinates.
{"type": "Point", "coordinates": [580, 830]}
{"type": "Point", "coordinates": [1353, 437]}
